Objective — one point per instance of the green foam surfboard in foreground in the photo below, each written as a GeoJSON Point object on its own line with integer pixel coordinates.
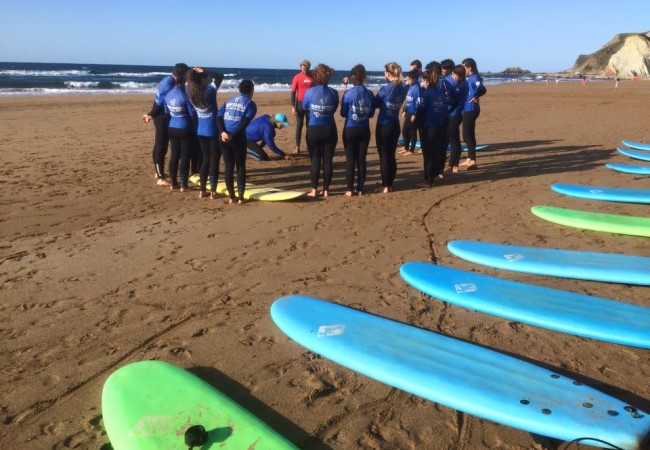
{"type": "Point", "coordinates": [257, 192]}
{"type": "Point", "coordinates": [609, 223]}
{"type": "Point", "coordinates": [149, 405]}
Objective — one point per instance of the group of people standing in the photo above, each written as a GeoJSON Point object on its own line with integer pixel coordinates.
{"type": "Point", "coordinates": [433, 103]}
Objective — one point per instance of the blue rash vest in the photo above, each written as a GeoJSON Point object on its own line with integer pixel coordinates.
{"type": "Point", "coordinates": [262, 129]}
{"type": "Point", "coordinates": [178, 105]}
{"type": "Point", "coordinates": [459, 95]}
{"type": "Point", "coordinates": [358, 106]}
{"type": "Point", "coordinates": [476, 89]}
{"type": "Point", "coordinates": [234, 110]}
{"type": "Point", "coordinates": [165, 85]}
{"type": "Point", "coordinates": [322, 102]}
{"type": "Point", "coordinates": [412, 98]}
{"type": "Point", "coordinates": [433, 107]}
{"type": "Point", "coordinates": [389, 100]}
{"type": "Point", "coordinates": [207, 117]}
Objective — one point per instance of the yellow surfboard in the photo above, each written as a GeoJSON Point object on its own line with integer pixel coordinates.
{"type": "Point", "coordinates": [257, 192]}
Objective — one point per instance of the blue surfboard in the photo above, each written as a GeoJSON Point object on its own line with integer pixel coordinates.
{"type": "Point", "coordinates": [636, 154]}
{"type": "Point", "coordinates": [629, 168]}
{"type": "Point", "coordinates": [459, 374]}
{"type": "Point", "coordinates": [578, 314]}
{"type": "Point", "coordinates": [607, 194]}
{"type": "Point", "coordinates": [582, 265]}
{"type": "Point", "coordinates": [637, 145]}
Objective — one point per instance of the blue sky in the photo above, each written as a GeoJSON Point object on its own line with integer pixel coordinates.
{"type": "Point", "coordinates": [539, 36]}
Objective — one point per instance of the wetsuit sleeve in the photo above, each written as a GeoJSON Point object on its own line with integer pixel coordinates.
{"type": "Point", "coordinates": [372, 105]}
{"type": "Point", "coordinates": [268, 135]}
{"type": "Point", "coordinates": [294, 89]}
{"type": "Point", "coordinates": [217, 77]}
{"type": "Point", "coordinates": [307, 99]}
{"type": "Point", "coordinates": [345, 106]}
{"type": "Point", "coordinates": [157, 109]}
{"type": "Point", "coordinates": [220, 123]}
{"type": "Point", "coordinates": [480, 89]}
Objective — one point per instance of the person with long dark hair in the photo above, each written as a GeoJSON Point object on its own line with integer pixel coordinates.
{"type": "Point", "coordinates": [389, 100]}
{"type": "Point", "coordinates": [321, 102]}
{"type": "Point", "coordinates": [299, 85]}
{"type": "Point", "coordinates": [432, 116]}
{"type": "Point", "coordinates": [357, 107]}
{"type": "Point", "coordinates": [232, 119]}
{"type": "Point", "coordinates": [203, 98]}
{"type": "Point", "coordinates": [459, 94]}
{"type": "Point", "coordinates": [471, 111]}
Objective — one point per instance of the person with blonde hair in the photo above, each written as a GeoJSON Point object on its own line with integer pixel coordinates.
{"type": "Point", "coordinates": [301, 82]}
{"type": "Point", "coordinates": [389, 101]}
{"type": "Point", "coordinates": [321, 102]}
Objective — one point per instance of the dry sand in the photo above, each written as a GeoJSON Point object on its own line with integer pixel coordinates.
{"type": "Point", "coordinates": [100, 267]}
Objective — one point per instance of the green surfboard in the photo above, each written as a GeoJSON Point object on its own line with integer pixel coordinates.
{"type": "Point", "coordinates": [150, 405]}
{"type": "Point", "coordinates": [610, 223]}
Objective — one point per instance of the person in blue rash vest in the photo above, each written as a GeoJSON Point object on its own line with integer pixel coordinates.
{"type": "Point", "coordinates": [471, 111]}
{"type": "Point", "coordinates": [322, 102]}
{"type": "Point", "coordinates": [409, 127]}
{"type": "Point", "coordinates": [262, 129]}
{"type": "Point", "coordinates": [357, 107]}
{"type": "Point", "coordinates": [232, 119]}
{"type": "Point", "coordinates": [459, 93]}
{"type": "Point", "coordinates": [181, 131]}
{"type": "Point", "coordinates": [161, 121]}
{"type": "Point", "coordinates": [432, 116]}
{"type": "Point", "coordinates": [389, 100]}
{"type": "Point", "coordinates": [203, 99]}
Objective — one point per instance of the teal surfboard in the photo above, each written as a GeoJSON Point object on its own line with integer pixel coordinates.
{"type": "Point", "coordinates": [582, 265]}
{"type": "Point", "coordinates": [629, 168]}
{"type": "Point", "coordinates": [609, 194]}
{"type": "Point", "coordinates": [637, 145]}
{"type": "Point", "coordinates": [636, 154]}
{"type": "Point", "coordinates": [568, 312]}
{"type": "Point", "coordinates": [609, 223]}
{"type": "Point", "coordinates": [459, 374]}
{"type": "Point", "coordinates": [150, 405]}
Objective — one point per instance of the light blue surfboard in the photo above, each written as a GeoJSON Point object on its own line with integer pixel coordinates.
{"type": "Point", "coordinates": [629, 168]}
{"type": "Point", "coordinates": [637, 145]}
{"type": "Point", "coordinates": [636, 154]}
{"type": "Point", "coordinates": [608, 194]}
{"type": "Point", "coordinates": [582, 265]}
{"type": "Point", "coordinates": [578, 314]}
{"type": "Point", "coordinates": [459, 374]}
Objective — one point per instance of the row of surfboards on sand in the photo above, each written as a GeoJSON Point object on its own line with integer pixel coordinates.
{"type": "Point", "coordinates": [153, 404]}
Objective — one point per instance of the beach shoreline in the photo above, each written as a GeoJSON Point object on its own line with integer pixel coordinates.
{"type": "Point", "coordinates": [101, 267]}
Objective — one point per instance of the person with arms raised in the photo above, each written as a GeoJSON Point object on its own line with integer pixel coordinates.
{"type": "Point", "coordinates": [203, 98]}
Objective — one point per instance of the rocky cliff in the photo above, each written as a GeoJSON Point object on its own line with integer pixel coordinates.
{"type": "Point", "coordinates": [621, 57]}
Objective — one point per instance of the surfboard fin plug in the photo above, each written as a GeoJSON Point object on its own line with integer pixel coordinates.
{"type": "Point", "coordinates": [196, 436]}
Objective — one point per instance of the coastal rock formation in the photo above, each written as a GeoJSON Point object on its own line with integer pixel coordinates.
{"type": "Point", "coordinates": [623, 56]}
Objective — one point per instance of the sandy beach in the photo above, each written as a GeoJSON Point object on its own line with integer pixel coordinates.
{"type": "Point", "coordinates": [100, 267]}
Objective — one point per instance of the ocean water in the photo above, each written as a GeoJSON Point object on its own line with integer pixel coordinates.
{"type": "Point", "coordinates": [23, 79]}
